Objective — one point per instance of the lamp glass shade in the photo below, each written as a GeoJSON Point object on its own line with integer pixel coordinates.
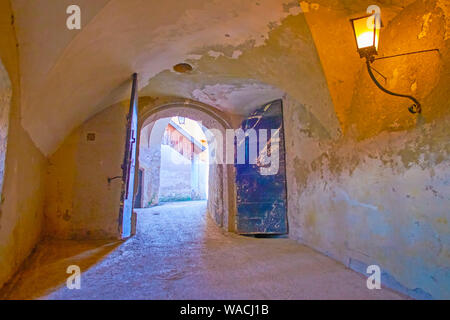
{"type": "Point", "coordinates": [367, 34]}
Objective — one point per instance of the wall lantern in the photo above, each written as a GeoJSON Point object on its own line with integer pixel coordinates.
{"type": "Point", "coordinates": [366, 30]}
{"type": "Point", "coordinates": [181, 120]}
{"type": "Point", "coordinates": [367, 34]}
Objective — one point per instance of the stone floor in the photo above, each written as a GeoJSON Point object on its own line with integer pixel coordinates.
{"type": "Point", "coordinates": [179, 253]}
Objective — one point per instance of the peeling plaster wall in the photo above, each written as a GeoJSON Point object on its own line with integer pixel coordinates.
{"type": "Point", "coordinates": [286, 61]}
{"type": "Point", "coordinates": [420, 26]}
{"type": "Point", "coordinates": [381, 201]}
{"type": "Point", "coordinates": [80, 204]}
{"type": "Point", "coordinates": [231, 43]}
{"type": "Point", "coordinates": [21, 207]}
{"type": "Point", "coordinates": [409, 25]}
{"type": "Point", "coordinates": [381, 194]}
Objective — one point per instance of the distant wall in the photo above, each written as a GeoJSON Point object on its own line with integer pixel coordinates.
{"type": "Point", "coordinates": [175, 176]}
{"type": "Point", "coordinates": [176, 180]}
{"type": "Point", "coordinates": [150, 163]}
{"type": "Point", "coordinates": [150, 160]}
{"type": "Point", "coordinates": [22, 195]}
{"type": "Point", "coordinates": [80, 203]}
{"type": "Point", "coordinates": [203, 178]}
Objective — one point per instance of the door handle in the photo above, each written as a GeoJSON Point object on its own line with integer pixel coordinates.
{"type": "Point", "coordinates": [113, 178]}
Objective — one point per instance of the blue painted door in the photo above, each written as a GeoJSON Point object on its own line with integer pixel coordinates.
{"type": "Point", "coordinates": [261, 180]}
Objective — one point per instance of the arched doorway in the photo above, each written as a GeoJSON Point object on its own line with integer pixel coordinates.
{"type": "Point", "coordinates": [173, 162]}
{"type": "Point", "coordinates": [153, 121]}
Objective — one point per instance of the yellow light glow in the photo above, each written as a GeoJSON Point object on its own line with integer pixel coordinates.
{"type": "Point", "coordinates": [367, 31]}
{"type": "Point", "coordinates": [365, 40]}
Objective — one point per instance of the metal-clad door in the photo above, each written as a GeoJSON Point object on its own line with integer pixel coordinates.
{"type": "Point", "coordinates": [260, 184]}
{"type": "Point", "coordinates": [128, 166]}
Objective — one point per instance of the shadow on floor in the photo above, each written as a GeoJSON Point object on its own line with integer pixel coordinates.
{"type": "Point", "coordinates": [267, 236]}
{"type": "Point", "coordinates": [180, 253]}
{"type": "Point", "coordinates": [45, 270]}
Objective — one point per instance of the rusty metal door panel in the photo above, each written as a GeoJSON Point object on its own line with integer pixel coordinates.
{"type": "Point", "coordinates": [128, 166]}
{"type": "Point", "coordinates": [262, 199]}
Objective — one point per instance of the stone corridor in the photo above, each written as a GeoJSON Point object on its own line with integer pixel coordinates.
{"type": "Point", "coordinates": [179, 253]}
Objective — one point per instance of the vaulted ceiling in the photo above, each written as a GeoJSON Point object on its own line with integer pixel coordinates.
{"type": "Point", "coordinates": [243, 53]}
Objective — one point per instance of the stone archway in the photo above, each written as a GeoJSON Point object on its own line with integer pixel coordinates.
{"type": "Point", "coordinates": [222, 200]}
{"type": "Point", "coordinates": [150, 142]}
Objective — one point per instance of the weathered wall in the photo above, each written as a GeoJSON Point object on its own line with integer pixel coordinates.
{"type": "Point", "coordinates": [215, 191]}
{"type": "Point", "coordinates": [328, 21]}
{"type": "Point", "coordinates": [79, 202]}
{"type": "Point", "coordinates": [21, 207]}
{"type": "Point", "coordinates": [150, 160]}
{"type": "Point", "coordinates": [381, 201]}
{"type": "Point", "coordinates": [175, 181]}
{"type": "Point", "coordinates": [376, 196]}
{"type": "Point", "coordinates": [420, 26]}
{"type": "Point", "coordinates": [381, 194]}
{"type": "Point", "coordinates": [237, 49]}
{"type": "Point", "coordinates": [410, 25]}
